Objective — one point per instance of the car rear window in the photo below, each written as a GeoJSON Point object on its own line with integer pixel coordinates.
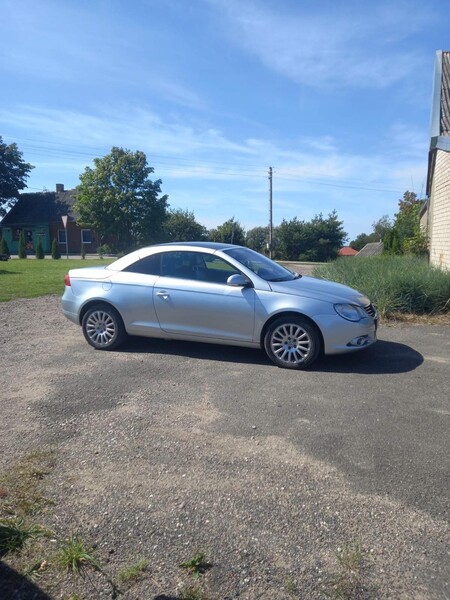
{"type": "Point", "coordinates": [150, 265]}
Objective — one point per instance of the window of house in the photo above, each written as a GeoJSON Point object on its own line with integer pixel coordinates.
{"type": "Point", "coordinates": [61, 236]}
{"type": "Point", "coordinates": [86, 237]}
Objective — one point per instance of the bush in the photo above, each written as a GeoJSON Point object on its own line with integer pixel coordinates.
{"type": "Point", "coordinates": [4, 249]}
{"type": "Point", "coordinates": [39, 249]}
{"type": "Point", "coordinates": [104, 249]}
{"type": "Point", "coordinates": [22, 248]}
{"type": "Point", "coordinates": [395, 284]}
{"type": "Point", "coordinates": [56, 254]}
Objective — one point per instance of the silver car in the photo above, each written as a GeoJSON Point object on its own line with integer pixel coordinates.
{"type": "Point", "coordinates": [218, 293]}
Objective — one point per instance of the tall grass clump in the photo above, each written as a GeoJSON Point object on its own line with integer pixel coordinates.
{"type": "Point", "coordinates": [395, 284]}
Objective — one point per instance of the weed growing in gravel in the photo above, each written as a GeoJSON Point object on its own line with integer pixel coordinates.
{"type": "Point", "coordinates": [14, 533]}
{"type": "Point", "coordinates": [132, 572]}
{"type": "Point", "coordinates": [192, 593]}
{"type": "Point", "coordinates": [344, 584]}
{"type": "Point", "coordinates": [290, 585]}
{"type": "Point", "coordinates": [75, 557]}
{"type": "Point", "coordinates": [197, 565]}
{"type": "Point", "coordinates": [36, 569]}
{"type": "Point", "coordinates": [22, 485]}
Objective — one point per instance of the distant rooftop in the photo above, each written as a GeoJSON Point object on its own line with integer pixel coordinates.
{"type": "Point", "coordinates": [42, 207]}
{"type": "Point", "coordinates": [372, 249]}
{"type": "Point", "coordinates": [347, 251]}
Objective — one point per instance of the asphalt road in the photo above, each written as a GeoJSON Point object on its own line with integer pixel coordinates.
{"type": "Point", "coordinates": [214, 447]}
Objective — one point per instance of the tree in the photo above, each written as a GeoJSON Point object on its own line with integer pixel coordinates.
{"type": "Point", "coordinates": [181, 226]}
{"type": "Point", "coordinates": [56, 254]}
{"type": "Point", "coordinates": [316, 240]}
{"type": "Point", "coordinates": [395, 242]}
{"type": "Point", "coordinates": [39, 249]}
{"type": "Point", "coordinates": [362, 239]}
{"type": "Point", "coordinates": [22, 252]}
{"type": "Point", "coordinates": [4, 248]}
{"type": "Point", "coordinates": [387, 241]}
{"type": "Point", "coordinates": [411, 238]}
{"type": "Point", "coordinates": [381, 227]}
{"type": "Point", "coordinates": [117, 198]}
{"type": "Point", "coordinates": [230, 232]}
{"type": "Point", "coordinates": [13, 174]}
{"type": "Point", "coordinates": [257, 238]}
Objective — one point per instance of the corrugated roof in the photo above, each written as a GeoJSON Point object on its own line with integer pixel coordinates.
{"type": "Point", "coordinates": [41, 207]}
{"type": "Point", "coordinates": [372, 249]}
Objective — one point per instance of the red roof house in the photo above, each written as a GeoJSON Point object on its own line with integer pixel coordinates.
{"type": "Point", "coordinates": [347, 251]}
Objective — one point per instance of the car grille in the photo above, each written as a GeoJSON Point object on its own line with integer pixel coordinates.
{"type": "Point", "coordinates": [370, 310]}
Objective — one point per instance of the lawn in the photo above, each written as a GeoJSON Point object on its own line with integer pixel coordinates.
{"type": "Point", "coordinates": [29, 278]}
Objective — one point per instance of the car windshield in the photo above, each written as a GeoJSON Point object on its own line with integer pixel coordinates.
{"type": "Point", "coordinates": [261, 265]}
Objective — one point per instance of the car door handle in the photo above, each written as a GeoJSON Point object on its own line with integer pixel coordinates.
{"type": "Point", "coordinates": [163, 295]}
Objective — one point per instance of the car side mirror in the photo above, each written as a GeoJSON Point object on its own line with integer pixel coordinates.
{"type": "Point", "coordinates": [239, 281]}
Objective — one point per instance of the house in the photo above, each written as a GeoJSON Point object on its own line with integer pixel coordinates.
{"type": "Point", "coordinates": [371, 249]}
{"type": "Point", "coordinates": [40, 215]}
{"type": "Point", "coordinates": [437, 214]}
{"type": "Point", "coordinates": [347, 251]}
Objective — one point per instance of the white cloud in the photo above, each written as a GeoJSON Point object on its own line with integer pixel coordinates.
{"type": "Point", "coordinates": [360, 46]}
{"type": "Point", "coordinates": [191, 151]}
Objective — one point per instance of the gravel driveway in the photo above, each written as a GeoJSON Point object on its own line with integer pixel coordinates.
{"type": "Point", "coordinates": [166, 449]}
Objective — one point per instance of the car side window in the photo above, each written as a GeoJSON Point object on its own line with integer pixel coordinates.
{"type": "Point", "coordinates": [150, 265]}
{"type": "Point", "coordinates": [215, 269]}
{"type": "Point", "coordinates": [198, 266]}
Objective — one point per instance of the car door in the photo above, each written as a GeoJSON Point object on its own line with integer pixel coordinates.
{"type": "Point", "coordinates": [192, 298]}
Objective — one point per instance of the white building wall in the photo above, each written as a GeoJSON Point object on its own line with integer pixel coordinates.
{"type": "Point", "coordinates": [439, 217]}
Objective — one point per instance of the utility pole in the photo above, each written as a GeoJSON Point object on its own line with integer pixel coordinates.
{"type": "Point", "coordinates": [270, 214]}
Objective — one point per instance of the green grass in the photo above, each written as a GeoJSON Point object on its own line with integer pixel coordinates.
{"type": "Point", "coordinates": [75, 557]}
{"type": "Point", "coordinates": [197, 565]}
{"type": "Point", "coordinates": [15, 532]}
{"type": "Point", "coordinates": [22, 485]}
{"type": "Point", "coordinates": [395, 284]}
{"type": "Point", "coordinates": [133, 572]}
{"type": "Point", "coordinates": [29, 278]}
{"type": "Point", "coordinates": [346, 583]}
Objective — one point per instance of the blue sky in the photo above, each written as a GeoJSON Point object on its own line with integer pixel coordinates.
{"type": "Point", "coordinates": [335, 96]}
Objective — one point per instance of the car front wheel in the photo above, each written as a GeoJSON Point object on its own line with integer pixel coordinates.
{"type": "Point", "coordinates": [103, 327]}
{"type": "Point", "coordinates": [292, 343]}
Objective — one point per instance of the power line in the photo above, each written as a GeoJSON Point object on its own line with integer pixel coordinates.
{"type": "Point", "coordinates": [172, 164]}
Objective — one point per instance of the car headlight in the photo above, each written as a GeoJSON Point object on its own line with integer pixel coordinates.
{"type": "Point", "coordinates": [351, 312]}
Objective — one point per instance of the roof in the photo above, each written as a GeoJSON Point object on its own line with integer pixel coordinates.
{"type": "Point", "coordinates": [211, 245]}
{"type": "Point", "coordinates": [347, 251]}
{"type": "Point", "coordinates": [371, 249]}
{"type": "Point", "coordinates": [41, 207]}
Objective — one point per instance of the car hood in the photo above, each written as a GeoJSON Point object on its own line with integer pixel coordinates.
{"type": "Point", "coordinates": [320, 289]}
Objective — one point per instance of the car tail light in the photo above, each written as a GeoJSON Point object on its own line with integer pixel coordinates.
{"type": "Point", "coordinates": [67, 280]}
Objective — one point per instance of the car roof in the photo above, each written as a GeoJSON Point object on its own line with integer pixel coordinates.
{"type": "Point", "coordinates": [211, 245]}
{"type": "Point", "coordinates": [128, 259]}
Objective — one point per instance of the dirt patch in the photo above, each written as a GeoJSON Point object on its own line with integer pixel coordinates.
{"type": "Point", "coordinates": [142, 470]}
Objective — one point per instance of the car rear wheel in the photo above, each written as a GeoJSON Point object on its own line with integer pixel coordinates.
{"type": "Point", "coordinates": [103, 327]}
{"type": "Point", "coordinates": [292, 343]}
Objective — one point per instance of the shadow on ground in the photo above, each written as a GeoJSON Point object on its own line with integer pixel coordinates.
{"type": "Point", "coordinates": [14, 585]}
{"type": "Point", "coordinates": [383, 357]}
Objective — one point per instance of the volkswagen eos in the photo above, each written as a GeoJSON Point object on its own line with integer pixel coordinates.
{"type": "Point", "coordinates": [218, 293]}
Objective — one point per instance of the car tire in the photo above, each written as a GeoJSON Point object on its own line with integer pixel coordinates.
{"type": "Point", "coordinates": [292, 342]}
{"type": "Point", "coordinates": [103, 327]}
